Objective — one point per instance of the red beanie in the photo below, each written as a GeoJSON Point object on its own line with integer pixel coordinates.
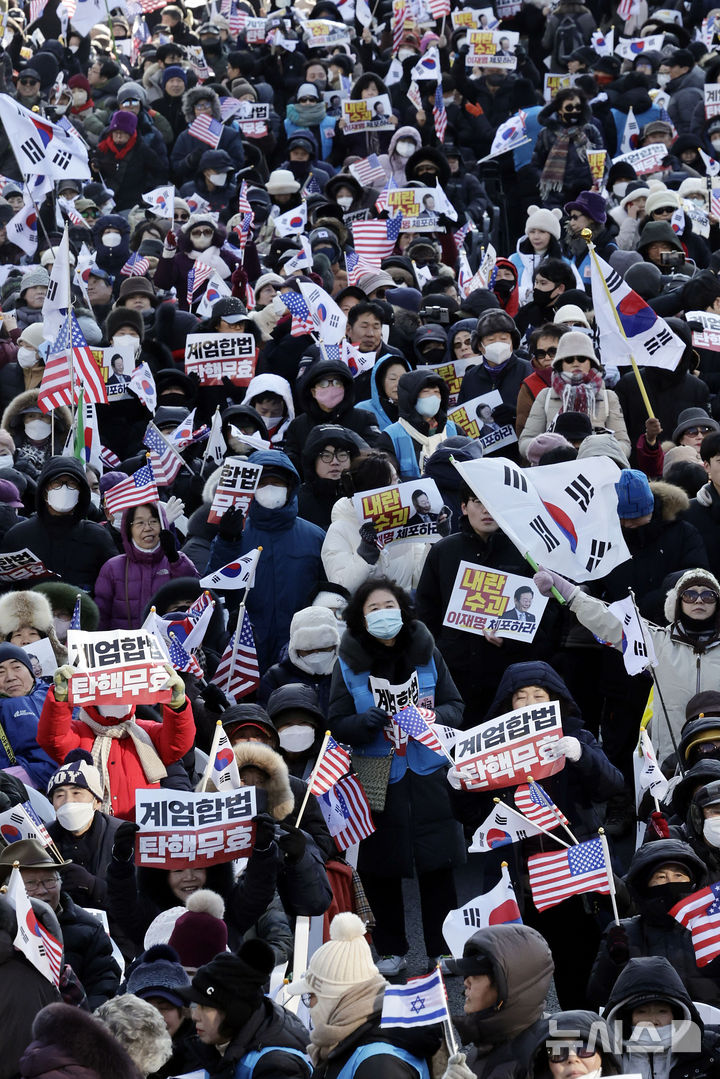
{"type": "Point", "coordinates": [200, 934]}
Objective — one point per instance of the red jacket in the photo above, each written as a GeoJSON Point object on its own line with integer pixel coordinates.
{"type": "Point", "coordinates": [58, 733]}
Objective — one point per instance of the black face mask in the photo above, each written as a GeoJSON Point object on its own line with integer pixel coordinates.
{"type": "Point", "coordinates": [433, 355]}
{"type": "Point", "coordinates": [174, 400]}
{"type": "Point", "coordinates": [543, 297]}
{"type": "Point", "coordinates": [504, 289]}
{"type": "Point", "coordinates": [299, 169]}
{"type": "Point", "coordinates": [659, 900]}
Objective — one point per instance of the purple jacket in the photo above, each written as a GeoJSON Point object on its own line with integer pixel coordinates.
{"type": "Point", "coordinates": [127, 582]}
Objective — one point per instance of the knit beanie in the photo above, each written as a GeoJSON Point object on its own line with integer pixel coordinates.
{"type": "Point", "coordinates": [664, 197]}
{"type": "Point", "coordinates": [122, 120]}
{"type": "Point", "coordinates": [345, 960]}
{"type": "Point", "coordinates": [547, 220]}
{"type": "Point", "coordinates": [77, 770]}
{"type": "Point", "coordinates": [158, 973]}
{"type": "Point", "coordinates": [35, 276]}
{"type": "Point", "coordinates": [635, 499]}
{"type": "Point", "coordinates": [79, 82]}
{"type": "Point", "coordinates": [233, 983]}
{"type": "Point", "coordinates": [702, 578]}
{"type": "Point", "coordinates": [603, 445]}
{"type": "Point", "coordinates": [132, 90]}
{"type": "Point", "coordinates": [543, 443]}
{"type": "Point", "coordinates": [12, 651]}
{"type": "Point", "coordinates": [160, 928]}
{"type": "Point", "coordinates": [173, 72]}
{"type": "Point", "coordinates": [200, 934]}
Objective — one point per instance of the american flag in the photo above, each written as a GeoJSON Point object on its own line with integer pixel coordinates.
{"type": "Point", "coordinates": [109, 459]}
{"type": "Point", "coordinates": [398, 26]}
{"type": "Point", "coordinates": [459, 236]}
{"type": "Point", "coordinates": [206, 130]}
{"type": "Point", "coordinates": [197, 277]}
{"type": "Point", "coordinates": [136, 266]}
{"type": "Point", "coordinates": [236, 20]}
{"type": "Point", "coordinates": [356, 267]}
{"type": "Point", "coordinates": [532, 800]}
{"type": "Point", "coordinates": [249, 296]}
{"type": "Point", "coordinates": [55, 386]}
{"type": "Point", "coordinates": [244, 206]}
{"type": "Point", "coordinates": [715, 202]}
{"type": "Point", "coordinates": [438, 8]}
{"type": "Point", "coordinates": [626, 8]}
{"type": "Point", "coordinates": [411, 721]}
{"type": "Point", "coordinates": [332, 766]}
{"type": "Point", "coordinates": [557, 876]}
{"type": "Point", "coordinates": [369, 172]}
{"type": "Point", "coordinates": [75, 620]}
{"type": "Point", "coordinates": [347, 812]}
{"type": "Point", "coordinates": [136, 490]}
{"type": "Point", "coordinates": [144, 7]}
{"type": "Point", "coordinates": [302, 322]}
{"type": "Point", "coordinates": [381, 203]}
{"type": "Point", "coordinates": [311, 187]}
{"type": "Point", "coordinates": [165, 460]}
{"type": "Point", "coordinates": [439, 114]}
{"type": "Point", "coordinates": [36, 9]}
{"type": "Point", "coordinates": [239, 674]}
{"type": "Point", "coordinates": [700, 913]}
{"type": "Point", "coordinates": [33, 939]}
{"type": "Point", "coordinates": [68, 208]}
{"type": "Point", "coordinates": [183, 660]}
{"type": "Point", "coordinates": [375, 240]}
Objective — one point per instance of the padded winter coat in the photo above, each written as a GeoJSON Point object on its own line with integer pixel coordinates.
{"type": "Point", "coordinates": [19, 717]}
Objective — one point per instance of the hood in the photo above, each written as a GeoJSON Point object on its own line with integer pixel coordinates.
{"type": "Point", "coordinates": [320, 369]}
{"type": "Point", "coordinates": [522, 967]}
{"type": "Point", "coordinates": [199, 93]}
{"type": "Point", "coordinates": [279, 795]}
{"type": "Point", "coordinates": [334, 433]}
{"type": "Point", "coordinates": [110, 221]}
{"type": "Point", "coordinates": [429, 153]}
{"type": "Point", "coordinates": [377, 373]}
{"type": "Point", "coordinates": [671, 609]}
{"type": "Point", "coordinates": [409, 388]}
{"type": "Point", "coordinates": [12, 421]}
{"type": "Point", "coordinates": [404, 133]}
{"type": "Point", "coordinates": [233, 414]}
{"type": "Point", "coordinates": [706, 771]}
{"type": "Point", "coordinates": [296, 695]}
{"type": "Point", "coordinates": [652, 855]}
{"type": "Point", "coordinates": [56, 466]}
{"type": "Point", "coordinates": [644, 979]}
{"type": "Point", "coordinates": [577, 1023]}
{"type": "Point", "coordinates": [81, 1039]}
{"type": "Point", "coordinates": [466, 324]}
{"type": "Point", "coordinates": [423, 334]}
{"type": "Point", "coordinates": [272, 384]}
{"type": "Point", "coordinates": [533, 673]}
{"type": "Point", "coordinates": [276, 459]}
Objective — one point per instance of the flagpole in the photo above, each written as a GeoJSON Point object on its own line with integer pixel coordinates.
{"type": "Point", "coordinates": [447, 1022]}
{"type": "Point", "coordinates": [550, 835]}
{"type": "Point", "coordinates": [534, 566]}
{"type": "Point", "coordinates": [608, 869]}
{"type": "Point", "coordinates": [211, 756]}
{"type": "Point", "coordinates": [236, 640]}
{"type": "Point", "coordinates": [553, 808]}
{"type": "Point", "coordinates": [587, 236]}
{"type": "Point", "coordinates": [311, 778]}
{"type": "Point", "coordinates": [641, 753]}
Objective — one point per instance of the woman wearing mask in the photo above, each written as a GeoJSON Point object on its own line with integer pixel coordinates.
{"type": "Point", "coordinates": [35, 436]}
{"type": "Point", "coordinates": [27, 371]}
{"type": "Point", "coordinates": [26, 617]}
{"type": "Point", "coordinates": [541, 241]}
{"type": "Point", "coordinates": [576, 385]}
{"type": "Point", "coordinates": [271, 396]}
{"type": "Point", "coordinates": [200, 239]}
{"type": "Point", "coordinates": [111, 236]}
{"type": "Point", "coordinates": [560, 155]}
{"type": "Point", "coordinates": [416, 831]}
{"type": "Point", "coordinates": [403, 144]}
{"type": "Point", "coordinates": [422, 423]}
{"type": "Point", "coordinates": [384, 379]}
{"type": "Point", "coordinates": [309, 113]}
{"type": "Point", "coordinates": [310, 657]}
{"type": "Point", "coordinates": [573, 1045]}
{"type": "Point", "coordinates": [126, 583]}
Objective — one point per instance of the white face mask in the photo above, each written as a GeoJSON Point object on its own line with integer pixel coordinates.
{"type": "Point", "coordinates": [344, 201]}
{"type": "Point", "coordinates": [428, 406]}
{"type": "Point", "coordinates": [62, 625]}
{"type": "Point", "coordinates": [63, 499]}
{"type": "Point", "coordinates": [6, 460]}
{"type": "Point", "coordinates": [271, 497]}
{"type": "Point", "coordinates": [95, 499]}
{"type": "Point", "coordinates": [716, 144]}
{"type": "Point", "coordinates": [218, 178]}
{"type": "Point", "coordinates": [61, 109]}
{"type": "Point", "coordinates": [79, 98]}
{"type": "Point", "coordinates": [127, 339]}
{"type": "Point", "coordinates": [73, 48]}
{"type": "Point", "coordinates": [316, 662]}
{"type": "Point", "coordinates": [497, 352]}
{"type": "Point", "coordinates": [115, 711]}
{"type": "Point", "coordinates": [648, 1038]}
{"type": "Point", "coordinates": [663, 80]}
{"type": "Point", "coordinates": [111, 239]}
{"type": "Point", "coordinates": [405, 149]}
{"type": "Point", "coordinates": [711, 831]}
{"type": "Point", "coordinates": [403, 54]}
{"type": "Point", "coordinates": [37, 430]}
{"type": "Point", "coordinates": [200, 243]}
{"type": "Point", "coordinates": [26, 357]}
{"type": "Point", "coordinates": [620, 189]}
{"type": "Point", "coordinates": [296, 739]}
{"type": "Point", "coordinates": [75, 816]}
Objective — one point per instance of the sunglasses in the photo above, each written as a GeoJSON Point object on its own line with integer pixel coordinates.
{"type": "Point", "coordinates": [576, 217]}
{"type": "Point", "coordinates": [691, 595]}
{"type": "Point", "coordinates": [29, 82]}
{"type": "Point", "coordinates": [182, 217]}
{"type": "Point", "coordinates": [665, 210]}
{"type": "Point", "coordinates": [576, 359]}
{"type": "Point", "coordinates": [559, 1054]}
{"type": "Point", "coordinates": [570, 109]}
{"type": "Point", "coordinates": [692, 431]}
{"type": "Point", "coordinates": [307, 101]}
{"type": "Point", "coordinates": [541, 353]}
{"type": "Point", "coordinates": [201, 232]}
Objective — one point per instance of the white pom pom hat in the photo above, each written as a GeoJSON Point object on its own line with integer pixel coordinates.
{"type": "Point", "coordinates": [345, 960]}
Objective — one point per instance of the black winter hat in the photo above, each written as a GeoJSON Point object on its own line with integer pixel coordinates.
{"type": "Point", "coordinates": [249, 715]}
{"type": "Point", "coordinates": [233, 983]}
{"type": "Point", "coordinates": [295, 697]}
{"type": "Point", "coordinates": [124, 316]}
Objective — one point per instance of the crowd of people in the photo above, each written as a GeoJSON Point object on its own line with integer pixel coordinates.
{"type": "Point", "coordinates": [232, 179]}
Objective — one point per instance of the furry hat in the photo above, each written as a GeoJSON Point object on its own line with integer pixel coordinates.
{"type": "Point", "coordinates": [124, 316]}
{"type": "Point", "coordinates": [547, 220]}
{"type": "Point", "coordinates": [82, 1038]}
{"type": "Point", "coordinates": [279, 795]}
{"type": "Point", "coordinates": [691, 576]}
{"type": "Point", "coordinates": [312, 628]}
{"type": "Point", "coordinates": [62, 597]}
{"type": "Point", "coordinates": [29, 609]}
{"type": "Point", "coordinates": [495, 322]}
{"type": "Point", "coordinates": [140, 1029]}
{"type": "Point", "coordinates": [663, 197]}
{"type": "Point", "coordinates": [200, 93]}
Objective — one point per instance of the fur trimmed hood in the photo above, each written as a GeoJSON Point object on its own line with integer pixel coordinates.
{"type": "Point", "coordinates": [78, 1039]}
{"type": "Point", "coordinates": [690, 576]}
{"type": "Point", "coordinates": [200, 93]}
{"type": "Point", "coordinates": [280, 797]}
{"type": "Point", "coordinates": [673, 499]}
{"type": "Point", "coordinates": [12, 422]}
{"type": "Point", "coordinates": [30, 609]}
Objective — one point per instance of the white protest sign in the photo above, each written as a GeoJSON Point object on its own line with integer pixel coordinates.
{"type": "Point", "coordinates": [406, 513]}
{"type": "Point", "coordinates": [238, 482]}
{"type": "Point", "coordinates": [321, 33]}
{"type": "Point", "coordinates": [215, 356]}
{"type": "Point", "coordinates": [505, 751]}
{"type": "Point", "coordinates": [475, 419]}
{"type": "Point", "coordinates": [555, 81]}
{"type": "Point", "coordinates": [712, 99]}
{"type": "Point", "coordinates": [22, 565]}
{"type": "Point", "coordinates": [117, 666]}
{"type": "Point", "coordinates": [392, 698]}
{"type": "Point", "coordinates": [181, 828]}
{"type": "Point", "coordinates": [709, 336]}
{"type": "Point", "coordinates": [367, 114]}
{"type": "Point", "coordinates": [646, 159]}
{"type": "Point", "coordinates": [483, 598]}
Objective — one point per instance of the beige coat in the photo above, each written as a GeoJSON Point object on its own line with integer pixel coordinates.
{"type": "Point", "coordinates": [608, 414]}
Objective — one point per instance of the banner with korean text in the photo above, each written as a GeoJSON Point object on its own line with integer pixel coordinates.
{"type": "Point", "coordinates": [215, 356]}
{"type": "Point", "coordinates": [503, 752]}
{"type": "Point", "coordinates": [506, 603]}
{"type": "Point", "coordinates": [181, 828]}
{"type": "Point", "coordinates": [238, 482]}
{"type": "Point", "coordinates": [117, 666]}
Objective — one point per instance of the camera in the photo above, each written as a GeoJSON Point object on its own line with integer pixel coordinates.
{"type": "Point", "coordinates": [435, 314]}
{"type": "Point", "coordinates": [672, 258]}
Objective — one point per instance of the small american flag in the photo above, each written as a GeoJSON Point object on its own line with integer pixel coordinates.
{"type": "Point", "coordinates": [557, 876]}
{"type": "Point", "coordinates": [459, 236]}
{"type": "Point", "coordinates": [183, 660]}
{"type": "Point", "coordinates": [375, 240]}
{"type": "Point", "coordinates": [381, 203]}
{"type": "Point", "coordinates": [412, 722]}
{"type": "Point", "coordinates": [700, 913]}
{"type": "Point", "coordinates": [109, 459]}
{"type": "Point", "coordinates": [136, 490]}
{"type": "Point", "coordinates": [715, 202]}
{"type": "Point", "coordinates": [75, 620]}
{"type": "Point", "coordinates": [197, 277]}
{"type": "Point", "coordinates": [356, 267]}
{"type": "Point", "coordinates": [85, 367]}
{"type": "Point", "coordinates": [36, 9]}
{"type": "Point", "coordinates": [626, 8]}
{"type": "Point", "coordinates": [439, 114]}
{"type": "Point", "coordinates": [347, 812]}
{"type": "Point", "coordinates": [136, 266]}
{"type": "Point", "coordinates": [55, 387]}
{"type": "Point", "coordinates": [206, 129]}
{"type": "Point", "coordinates": [333, 764]}
{"type": "Point", "coordinates": [369, 172]}
{"type": "Point", "coordinates": [239, 674]}
{"type": "Point", "coordinates": [398, 27]}
{"type": "Point", "coordinates": [438, 8]}
{"type": "Point", "coordinates": [236, 20]}
{"type": "Point", "coordinates": [165, 460]}
{"type": "Point", "coordinates": [532, 800]}
{"type": "Point", "coordinates": [302, 322]}
{"type": "Point", "coordinates": [244, 206]}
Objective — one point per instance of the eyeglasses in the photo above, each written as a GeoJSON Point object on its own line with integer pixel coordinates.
{"type": "Point", "coordinates": [145, 522]}
{"type": "Point", "coordinates": [29, 82]}
{"type": "Point", "coordinates": [692, 431]}
{"type": "Point", "coordinates": [45, 885]}
{"type": "Point", "coordinates": [691, 595]}
{"type": "Point", "coordinates": [328, 456]}
{"type": "Point", "coordinates": [559, 1054]}
{"type": "Point", "coordinates": [541, 353]}
{"type": "Point", "coordinates": [130, 101]}
{"type": "Point", "coordinates": [665, 210]}
{"type": "Point", "coordinates": [307, 101]}
{"type": "Point", "coordinates": [325, 383]}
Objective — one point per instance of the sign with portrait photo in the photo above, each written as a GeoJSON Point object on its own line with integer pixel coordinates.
{"type": "Point", "coordinates": [411, 512]}
{"type": "Point", "coordinates": [419, 207]}
{"type": "Point", "coordinates": [453, 373]}
{"type": "Point", "coordinates": [367, 114]}
{"type": "Point", "coordinates": [475, 419]}
{"type": "Point", "coordinates": [486, 599]}
{"type": "Point", "coordinates": [117, 363]}
{"type": "Point", "coordinates": [322, 33]}
{"type": "Point", "coordinates": [492, 48]}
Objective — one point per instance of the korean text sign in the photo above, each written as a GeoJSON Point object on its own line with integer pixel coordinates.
{"type": "Point", "coordinates": [503, 752]}
{"type": "Point", "coordinates": [506, 603]}
{"type": "Point", "coordinates": [238, 481]}
{"type": "Point", "coordinates": [215, 356]}
{"type": "Point", "coordinates": [407, 513]}
{"type": "Point", "coordinates": [181, 828]}
{"type": "Point", "coordinates": [117, 666]}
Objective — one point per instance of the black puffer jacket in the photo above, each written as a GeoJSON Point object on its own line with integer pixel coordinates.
{"type": "Point", "coordinates": [90, 853]}
{"type": "Point", "coordinates": [316, 496]}
{"type": "Point", "coordinates": [508, 380]}
{"type": "Point", "coordinates": [270, 1025]}
{"type": "Point", "coordinates": [88, 951]}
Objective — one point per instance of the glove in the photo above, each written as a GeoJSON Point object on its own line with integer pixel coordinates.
{"type": "Point", "coordinates": [453, 778]}
{"type": "Point", "coordinates": [124, 842]}
{"type": "Point", "coordinates": [474, 110]}
{"type": "Point", "coordinates": [170, 244]}
{"type": "Point", "coordinates": [546, 579]}
{"type": "Point", "coordinates": [61, 678]}
{"type": "Point", "coordinates": [174, 507]}
{"type": "Point", "coordinates": [368, 548]}
{"type": "Point", "coordinates": [292, 843]}
{"type": "Point", "coordinates": [71, 989]}
{"type": "Point", "coordinates": [659, 825]}
{"type": "Point", "coordinates": [375, 718]}
{"type": "Point", "coordinates": [567, 747]}
{"type": "Point", "coordinates": [176, 684]}
{"type": "Point", "coordinates": [457, 1068]}
{"type": "Point", "coordinates": [264, 831]}
{"type": "Point", "coordinates": [618, 945]}
{"type": "Point", "coordinates": [444, 521]}
{"type": "Point", "coordinates": [231, 525]}
{"type": "Point", "coordinates": [504, 415]}
{"type": "Point", "coordinates": [76, 878]}
{"type": "Point", "coordinates": [168, 545]}
{"type": "Point", "coordinates": [214, 698]}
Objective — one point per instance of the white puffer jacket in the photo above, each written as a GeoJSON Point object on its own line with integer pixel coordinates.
{"type": "Point", "coordinates": [401, 562]}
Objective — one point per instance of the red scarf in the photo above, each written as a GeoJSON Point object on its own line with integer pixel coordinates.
{"type": "Point", "coordinates": [107, 146]}
{"type": "Point", "coordinates": [89, 104]}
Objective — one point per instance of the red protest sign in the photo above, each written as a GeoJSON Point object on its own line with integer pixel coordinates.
{"type": "Point", "coordinates": [180, 828]}
{"type": "Point", "coordinates": [117, 667]}
{"type": "Point", "coordinates": [505, 751]}
{"type": "Point", "coordinates": [238, 481]}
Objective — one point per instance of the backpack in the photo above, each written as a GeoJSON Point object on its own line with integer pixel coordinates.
{"type": "Point", "coordinates": [568, 38]}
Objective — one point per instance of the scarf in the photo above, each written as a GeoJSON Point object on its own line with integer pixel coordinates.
{"type": "Point", "coordinates": [107, 146]}
{"type": "Point", "coordinates": [350, 1011]}
{"type": "Point", "coordinates": [89, 104]}
{"type": "Point", "coordinates": [33, 376]}
{"type": "Point", "coordinates": [306, 115]}
{"type": "Point", "coordinates": [578, 396]}
{"type": "Point", "coordinates": [553, 174]}
{"type": "Point", "coordinates": [212, 257]}
{"type": "Point", "coordinates": [150, 762]}
{"type": "Point", "coordinates": [429, 443]}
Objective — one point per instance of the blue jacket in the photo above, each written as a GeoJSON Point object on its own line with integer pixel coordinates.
{"type": "Point", "coordinates": [19, 717]}
{"type": "Point", "coordinates": [375, 404]}
{"type": "Point", "coordinates": [404, 448]}
{"type": "Point", "coordinates": [287, 569]}
{"type": "Point", "coordinates": [324, 130]}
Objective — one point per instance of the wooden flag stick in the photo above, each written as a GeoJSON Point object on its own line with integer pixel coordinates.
{"type": "Point", "coordinates": [311, 779]}
{"type": "Point", "coordinates": [550, 835]}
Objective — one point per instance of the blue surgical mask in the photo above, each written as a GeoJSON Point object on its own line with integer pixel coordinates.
{"type": "Point", "coordinates": [384, 624]}
{"type": "Point", "coordinates": [428, 406]}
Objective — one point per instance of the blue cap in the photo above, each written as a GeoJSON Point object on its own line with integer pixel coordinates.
{"type": "Point", "coordinates": [635, 499]}
{"type": "Point", "coordinates": [12, 651]}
